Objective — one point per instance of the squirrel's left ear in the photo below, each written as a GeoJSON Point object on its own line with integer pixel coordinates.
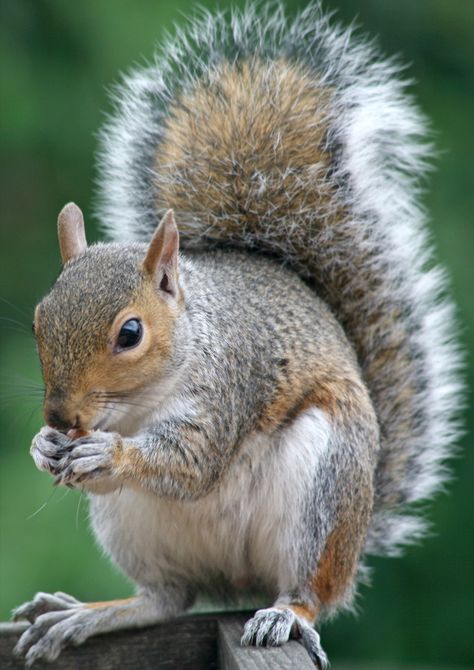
{"type": "Point", "coordinates": [161, 260]}
{"type": "Point", "coordinates": [72, 237]}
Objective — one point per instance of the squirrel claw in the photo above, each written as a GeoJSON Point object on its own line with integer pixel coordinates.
{"type": "Point", "coordinates": [274, 626]}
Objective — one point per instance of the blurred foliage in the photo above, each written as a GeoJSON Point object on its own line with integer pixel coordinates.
{"type": "Point", "coordinates": [57, 59]}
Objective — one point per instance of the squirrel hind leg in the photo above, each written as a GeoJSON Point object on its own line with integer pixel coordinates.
{"type": "Point", "coordinates": [275, 625]}
{"type": "Point", "coordinates": [293, 616]}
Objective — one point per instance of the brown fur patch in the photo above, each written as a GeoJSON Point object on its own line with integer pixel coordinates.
{"type": "Point", "coordinates": [328, 387]}
{"type": "Point", "coordinates": [187, 447]}
{"type": "Point", "coordinates": [131, 463]}
{"type": "Point", "coordinates": [109, 603]}
{"type": "Point", "coordinates": [256, 128]}
{"type": "Point", "coordinates": [337, 565]}
{"type": "Point", "coordinates": [105, 371]}
{"type": "Point", "coordinates": [307, 612]}
{"type": "Point", "coordinates": [143, 363]}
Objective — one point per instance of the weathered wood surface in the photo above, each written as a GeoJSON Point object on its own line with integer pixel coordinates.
{"type": "Point", "coordinates": [199, 642]}
{"type": "Point", "coordinates": [231, 656]}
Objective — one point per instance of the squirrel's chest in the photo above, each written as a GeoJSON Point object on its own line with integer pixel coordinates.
{"type": "Point", "coordinates": [244, 529]}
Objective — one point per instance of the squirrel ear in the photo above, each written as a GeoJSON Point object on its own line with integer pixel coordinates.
{"type": "Point", "coordinates": [72, 238]}
{"type": "Point", "coordinates": [161, 260]}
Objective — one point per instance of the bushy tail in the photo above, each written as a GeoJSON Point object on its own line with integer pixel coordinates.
{"type": "Point", "coordinates": [295, 139]}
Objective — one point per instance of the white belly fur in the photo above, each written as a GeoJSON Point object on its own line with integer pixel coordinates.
{"type": "Point", "coordinates": [246, 528]}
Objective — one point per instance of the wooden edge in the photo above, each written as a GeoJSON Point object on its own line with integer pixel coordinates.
{"type": "Point", "coordinates": [8, 628]}
{"type": "Point", "coordinates": [232, 656]}
{"type": "Point", "coordinates": [209, 641]}
{"type": "Point", "coordinates": [17, 627]}
{"type": "Point", "coordinates": [188, 642]}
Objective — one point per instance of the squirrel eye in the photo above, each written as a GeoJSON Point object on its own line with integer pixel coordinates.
{"type": "Point", "coordinates": [130, 334]}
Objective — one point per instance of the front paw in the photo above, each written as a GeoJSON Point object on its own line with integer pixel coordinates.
{"type": "Point", "coordinates": [92, 462]}
{"type": "Point", "coordinates": [48, 449]}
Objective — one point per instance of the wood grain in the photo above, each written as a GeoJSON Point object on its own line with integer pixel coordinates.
{"type": "Point", "coordinates": [232, 656]}
{"type": "Point", "coordinates": [195, 642]}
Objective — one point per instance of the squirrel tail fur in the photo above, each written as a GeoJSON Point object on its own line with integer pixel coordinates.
{"type": "Point", "coordinates": [294, 139]}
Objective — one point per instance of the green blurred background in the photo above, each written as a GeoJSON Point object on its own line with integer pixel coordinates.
{"type": "Point", "coordinates": [57, 58]}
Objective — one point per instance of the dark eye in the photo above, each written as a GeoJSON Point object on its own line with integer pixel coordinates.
{"type": "Point", "coordinates": [130, 334]}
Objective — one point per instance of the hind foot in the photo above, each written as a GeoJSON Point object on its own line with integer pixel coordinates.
{"type": "Point", "coordinates": [274, 626]}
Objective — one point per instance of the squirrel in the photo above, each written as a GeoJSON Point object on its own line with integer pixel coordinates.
{"type": "Point", "coordinates": [256, 375]}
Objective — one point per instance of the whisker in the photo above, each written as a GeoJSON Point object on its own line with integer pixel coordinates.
{"type": "Point", "coordinates": [21, 398]}
{"type": "Point", "coordinates": [66, 493]}
{"type": "Point", "coordinates": [123, 400]}
{"type": "Point", "coordinates": [24, 380]}
{"type": "Point", "coordinates": [122, 405]}
{"type": "Point", "coordinates": [16, 308]}
{"type": "Point", "coordinates": [78, 508]}
{"type": "Point", "coordinates": [20, 381]}
{"type": "Point", "coordinates": [23, 417]}
{"type": "Point", "coordinates": [28, 394]}
{"type": "Point", "coordinates": [13, 389]}
{"type": "Point", "coordinates": [119, 401]}
{"type": "Point", "coordinates": [121, 411]}
{"type": "Point", "coordinates": [42, 506]}
{"type": "Point", "coordinates": [26, 404]}
{"type": "Point", "coordinates": [111, 394]}
{"type": "Point", "coordinates": [14, 326]}
{"type": "Point", "coordinates": [21, 386]}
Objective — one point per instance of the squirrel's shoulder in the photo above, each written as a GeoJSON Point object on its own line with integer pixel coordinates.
{"type": "Point", "coordinates": [250, 272]}
{"type": "Point", "coordinates": [258, 292]}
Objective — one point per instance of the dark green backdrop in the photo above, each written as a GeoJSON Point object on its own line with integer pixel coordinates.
{"type": "Point", "coordinates": [57, 58]}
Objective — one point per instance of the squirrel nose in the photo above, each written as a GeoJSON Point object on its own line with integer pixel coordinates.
{"type": "Point", "coordinates": [58, 411]}
{"type": "Point", "coordinates": [57, 419]}
{"type": "Point", "coordinates": [58, 414]}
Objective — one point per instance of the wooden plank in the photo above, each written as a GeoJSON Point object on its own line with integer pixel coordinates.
{"type": "Point", "coordinates": [197, 642]}
{"type": "Point", "coordinates": [232, 656]}
{"type": "Point", "coordinates": [9, 634]}
{"type": "Point", "coordinates": [188, 643]}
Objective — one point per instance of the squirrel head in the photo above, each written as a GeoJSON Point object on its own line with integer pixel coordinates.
{"type": "Point", "coordinates": [105, 331]}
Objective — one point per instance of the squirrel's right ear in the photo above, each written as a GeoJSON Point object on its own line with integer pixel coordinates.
{"type": "Point", "coordinates": [71, 234]}
{"type": "Point", "coordinates": [161, 260]}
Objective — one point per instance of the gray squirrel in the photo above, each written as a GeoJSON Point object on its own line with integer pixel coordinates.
{"type": "Point", "coordinates": [257, 412]}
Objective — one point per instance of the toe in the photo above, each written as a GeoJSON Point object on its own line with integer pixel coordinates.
{"type": "Point", "coordinates": [71, 630]}
{"type": "Point", "coordinates": [41, 603]}
{"type": "Point", "coordinates": [312, 643]}
{"type": "Point", "coordinates": [70, 600]}
{"type": "Point", "coordinates": [38, 630]}
{"type": "Point", "coordinates": [47, 648]}
{"type": "Point", "coordinates": [280, 630]}
{"type": "Point", "coordinates": [270, 627]}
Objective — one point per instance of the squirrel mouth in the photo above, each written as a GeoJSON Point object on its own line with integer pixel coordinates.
{"type": "Point", "coordinates": [102, 423]}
